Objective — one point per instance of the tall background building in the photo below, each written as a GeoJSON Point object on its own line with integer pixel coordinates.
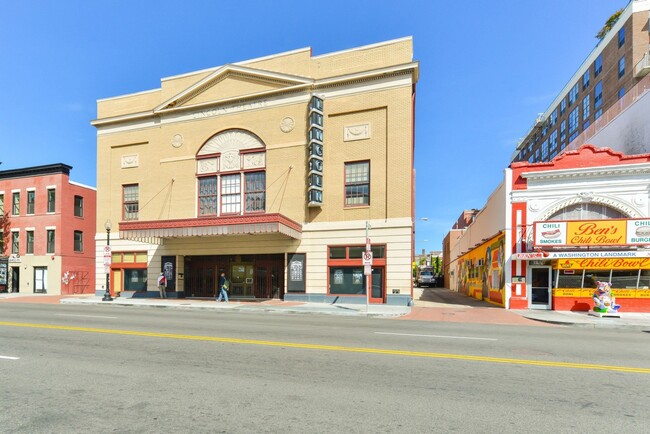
{"type": "Point", "coordinates": [612, 79]}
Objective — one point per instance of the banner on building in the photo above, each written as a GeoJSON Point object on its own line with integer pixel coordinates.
{"type": "Point", "coordinates": [609, 232]}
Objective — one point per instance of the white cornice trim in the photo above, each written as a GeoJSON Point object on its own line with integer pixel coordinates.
{"type": "Point", "coordinates": [591, 172]}
{"type": "Point", "coordinates": [222, 72]}
{"type": "Point", "coordinates": [128, 95]}
{"type": "Point", "coordinates": [364, 47]}
{"type": "Point", "coordinates": [243, 62]}
{"type": "Point", "coordinates": [122, 118]}
{"type": "Point", "coordinates": [369, 74]}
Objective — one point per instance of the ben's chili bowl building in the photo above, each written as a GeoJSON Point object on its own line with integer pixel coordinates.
{"type": "Point", "coordinates": [281, 172]}
{"type": "Point", "coordinates": [578, 219]}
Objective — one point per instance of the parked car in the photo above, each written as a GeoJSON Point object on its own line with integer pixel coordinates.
{"type": "Point", "coordinates": [425, 278]}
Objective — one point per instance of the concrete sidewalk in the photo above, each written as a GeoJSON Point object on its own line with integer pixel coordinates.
{"type": "Point", "coordinates": [434, 304]}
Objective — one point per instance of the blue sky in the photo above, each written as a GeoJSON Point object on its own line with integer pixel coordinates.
{"type": "Point", "coordinates": [486, 70]}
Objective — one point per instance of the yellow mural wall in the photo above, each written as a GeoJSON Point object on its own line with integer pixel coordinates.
{"type": "Point", "coordinates": [481, 271]}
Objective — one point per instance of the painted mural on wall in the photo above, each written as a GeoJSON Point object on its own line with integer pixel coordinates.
{"type": "Point", "coordinates": [481, 271]}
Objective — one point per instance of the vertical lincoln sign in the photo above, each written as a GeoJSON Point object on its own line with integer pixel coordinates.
{"type": "Point", "coordinates": [315, 137]}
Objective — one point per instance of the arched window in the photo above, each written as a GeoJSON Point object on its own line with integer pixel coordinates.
{"type": "Point", "coordinates": [587, 211]}
{"type": "Point", "coordinates": [231, 171]}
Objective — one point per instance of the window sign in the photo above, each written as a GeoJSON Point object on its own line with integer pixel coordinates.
{"type": "Point", "coordinates": [169, 270]}
{"type": "Point", "coordinates": [296, 273]}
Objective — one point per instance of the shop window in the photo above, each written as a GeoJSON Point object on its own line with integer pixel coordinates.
{"type": "Point", "coordinates": [644, 279]}
{"type": "Point", "coordinates": [593, 276]}
{"type": "Point", "coordinates": [347, 280]}
{"type": "Point", "coordinates": [624, 279]}
{"type": "Point", "coordinates": [338, 252]}
{"type": "Point", "coordinates": [135, 279]}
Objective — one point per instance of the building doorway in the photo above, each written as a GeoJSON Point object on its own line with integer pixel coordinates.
{"type": "Point", "coordinates": [15, 279]}
{"type": "Point", "coordinates": [540, 288]}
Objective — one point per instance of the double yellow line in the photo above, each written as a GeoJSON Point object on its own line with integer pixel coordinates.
{"type": "Point", "coordinates": [586, 366]}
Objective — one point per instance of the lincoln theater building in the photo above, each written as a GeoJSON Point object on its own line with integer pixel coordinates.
{"type": "Point", "coordinates": [551, 230]}
{"type": "Point", "coordinates": [280, 171]}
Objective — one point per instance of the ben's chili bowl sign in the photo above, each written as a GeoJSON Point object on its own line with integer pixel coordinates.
{"type": "Point", "coordinates": [609, 232]}
{"type": "Point", "coordinates": [604, 263]}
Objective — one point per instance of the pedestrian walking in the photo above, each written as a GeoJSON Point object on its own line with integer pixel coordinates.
{"type": "Point", "coordinates": [224, 284]}
{"type": "Point", "coordinates": [162, 285]}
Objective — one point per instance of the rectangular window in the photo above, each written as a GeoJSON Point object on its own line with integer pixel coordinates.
{"type": "Point", "coordinates": [78, 206]}
{"type": "Point", "coordinates": [50, 240]}
{"type": "Point", "coordinates": [621, 92]}
{"type": "Point", "coordinates": [598, 65]}
{"type": "Point", "coordinates": [563, 131]}
{"type": "Point", "coordinates": [231, 194]}
{"type": "Point", "coordinates": [31, 195]}
{"type": "Point", "coordinates": [573, 120]}
{"type": "Point", "coordinates": [554, 117]}
{"type": "Point", "coordinates": [30, 242]}
{"type": "Point", "coordinates": [598, 94]}
{"type": "Point", "coordinates": [357, 183]}
{"type": "Point", "coordinates": [573, 94]}
{"type": "Point", "coordinates": [585, 108]}
{"type": "Point", "coordinates": [621, 37]}
{"type": "Point", "coordinates": [562, 106]}
{"type": "Point", "coordinates": [621, 67]}
{"type": "Point", "coordinates": [78, 241]}
{"type": "Point", "coordinates": [598, 114]}
{"type": "Point", "coordinates": [208, 196]}
{"type": "Point", "coordinates": [15, 243]}
{"type": "Point", "coordinates": [585, 80]}
{"type": "Point", "coordinates": [15, 204]}
{"type": "Point", "coordinates": [51, 198]}
{"type": "Point", "coordinates": [553, 140]}
{"type": "Point", "coordinates": [2, 204]}
{"type": "Point", "coordinates": [544, 150]}
{"type": "Point", "coordinates": [131, 201]}
{"type": "Point", "coordinates": [255, 192]}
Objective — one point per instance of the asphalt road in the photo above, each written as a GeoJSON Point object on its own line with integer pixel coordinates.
{"type": "Point", "coordinates": [74, 369]}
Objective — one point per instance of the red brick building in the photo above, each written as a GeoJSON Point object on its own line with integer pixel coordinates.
{"type": "Point", "coordinates": [47, 238]}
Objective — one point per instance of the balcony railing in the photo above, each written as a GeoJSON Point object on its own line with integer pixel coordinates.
{"type": "Point", "coordinates": [643, 67]}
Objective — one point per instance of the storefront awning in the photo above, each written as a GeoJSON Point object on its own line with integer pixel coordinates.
{"type": "Point", "coordinates": [156, 231]}
{"type": "Point", "coordinates": [536, 256]}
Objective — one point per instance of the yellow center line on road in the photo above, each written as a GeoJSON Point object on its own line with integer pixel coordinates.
{"type": "Point", "coordinates": [586, 366]}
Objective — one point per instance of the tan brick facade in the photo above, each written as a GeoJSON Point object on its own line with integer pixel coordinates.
{"type": "Point", "coordinates": [252, 116]}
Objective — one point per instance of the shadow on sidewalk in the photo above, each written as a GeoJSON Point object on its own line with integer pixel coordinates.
{"type": "Point", "coordinates": [445, 296]}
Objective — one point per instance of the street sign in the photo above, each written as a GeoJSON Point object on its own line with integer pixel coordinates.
{"type": "Point", "coordinates": [367, 270]}
{"type": "Point", "coordinates": [367, 258]}
{"type": "Point", "coordinates": [107, 256]}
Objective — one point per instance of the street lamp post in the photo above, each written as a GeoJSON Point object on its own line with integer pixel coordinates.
{"type": "Point", "coordinates": [107, 293]}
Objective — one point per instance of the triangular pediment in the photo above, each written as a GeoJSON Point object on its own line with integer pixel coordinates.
{"type": "Point", "coordinates": [233, 82]}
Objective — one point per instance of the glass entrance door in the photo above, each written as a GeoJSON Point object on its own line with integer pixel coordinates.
{"type": "Point", "coordinates": [540, 288]}
{"type": "Point", "coordinates": [377, 292]}
{"type": "Point", "coordinates": [241, 280]}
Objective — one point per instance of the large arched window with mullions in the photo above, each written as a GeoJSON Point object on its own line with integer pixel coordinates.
{"type": "Point", "coordinates": [231, 174]}
{"type": "Point", "coordinates": [587, 211]}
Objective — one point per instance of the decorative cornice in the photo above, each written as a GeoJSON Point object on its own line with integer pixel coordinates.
{"type": "Point", "coordinates": [589, 172]}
